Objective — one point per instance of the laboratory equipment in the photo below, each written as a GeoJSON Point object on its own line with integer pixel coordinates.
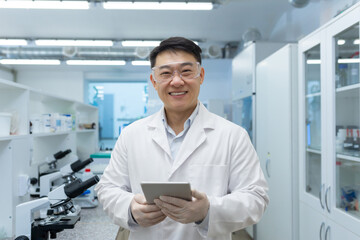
{"type": "Point", "coordinates": [60, 203]}
{"type": "Point", "coordinates": [67, 173]}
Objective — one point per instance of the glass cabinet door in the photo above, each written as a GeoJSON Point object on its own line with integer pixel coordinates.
{"type": "Point", "coordinates": [313, 121]}
{"type": "Point", "coordinates": [347, 118]}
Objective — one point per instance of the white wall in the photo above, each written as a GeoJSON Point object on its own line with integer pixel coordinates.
{"type": "Point", "coordinates": [296, 23]}
{"type": "Point", "coordinates": [6, 74]}
{"type": "Point", "coordinates": [68, 84]}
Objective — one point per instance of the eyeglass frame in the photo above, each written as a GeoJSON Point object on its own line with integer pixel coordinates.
{"type": "Point", "coordinates": [173, 72]}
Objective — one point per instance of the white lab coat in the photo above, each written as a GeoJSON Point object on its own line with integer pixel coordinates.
{"type": "Point", "coordinates": [216, 157]}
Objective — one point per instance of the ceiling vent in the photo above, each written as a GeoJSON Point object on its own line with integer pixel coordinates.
{"type": "Point", "coordinates": [214, 51]}
{"type": "Point", "coordinates": [251, 35]}
{"type": "Point", "coordinates": [299, 3]}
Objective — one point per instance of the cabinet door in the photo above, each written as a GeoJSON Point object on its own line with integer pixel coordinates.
{"type": "Point", "coordinates": [243, 73]}
{"type": "Point", "coordinates": [334, 231]}
{"type": "Point", "coordinates": [274, 142]}
{"type": "Point", "coordinates": [311, 106]}
{"type": "Point", "coordinates": [343, 192]}
{"type": "Point", "coordinates": [6, 200]}
{"type": "Point", "coordinates": [312, 224]}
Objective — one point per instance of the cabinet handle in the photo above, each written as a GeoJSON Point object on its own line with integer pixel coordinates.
{"type": "Point", "coordinates": [326, 197]}
{"type": "Point", "coordinates": [326, 232]}
{"type": "Point", "coordinates": [321, 229]}
{"type": "Point", "coordinates": [267, 166]}
{"type": "Point", "coordinates": [320, 196]}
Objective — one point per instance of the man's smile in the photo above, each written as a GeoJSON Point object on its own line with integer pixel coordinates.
{"type": "Point", "coordinates": [177, 93]}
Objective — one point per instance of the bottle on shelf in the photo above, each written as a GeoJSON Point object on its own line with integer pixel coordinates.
{"type": "Point", "coordinates": [348, 143]}
{"type": "Point", "coordinates": [343, 68]}
{"type": "Point", "coordinates": [356, 143]}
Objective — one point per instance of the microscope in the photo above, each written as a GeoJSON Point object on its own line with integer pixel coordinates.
{"type": "Point", "coordinates": [51, 161]}
{"type": "Point", "coordinates": [67, 172]}
{"type": "Point", "coordinates": [58, 219]}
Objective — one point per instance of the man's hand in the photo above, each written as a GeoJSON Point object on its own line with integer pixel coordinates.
{"type": "Point", "coordinates": [145, 215]}
{"type": "Point", "coordinates": [185, 211]}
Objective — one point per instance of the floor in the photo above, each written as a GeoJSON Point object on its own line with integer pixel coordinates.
{"type": "Point", "coordinates": [96, 225]}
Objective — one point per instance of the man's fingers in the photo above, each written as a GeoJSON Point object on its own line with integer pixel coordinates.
{"type": "Point", "coordinates": [196, 194]}
{"type": "Point", "coordinates": [149, 208]}
{"type": "Point", "coordinates": [173, 201]}
{"type": "Point", "coordinates": [140, 199]}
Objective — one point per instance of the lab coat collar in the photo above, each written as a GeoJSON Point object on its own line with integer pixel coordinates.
{"type": "Point", "coordinates": [194, 138]}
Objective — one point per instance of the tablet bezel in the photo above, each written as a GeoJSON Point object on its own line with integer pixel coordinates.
{"type": "Point", "coordinates": [153, 190]}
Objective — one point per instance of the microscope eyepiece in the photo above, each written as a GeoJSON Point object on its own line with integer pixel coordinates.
{"type": "Point", "coordinates": [78, 165]}
{"type": "Point", "coordinates": [77, 187]}
{"type": "Point", "coordinates": [61, 154]}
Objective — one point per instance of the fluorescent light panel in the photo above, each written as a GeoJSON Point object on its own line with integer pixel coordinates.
{"type": "Point", "coordinates": [45, 4]}
{"type": "Point", "coordinates": [313, 61]}
{"type": "Point", "coordinates": [357, 41]}
{"type": "Point", "coordinates": [13, 42]}
{"type": "Point", "coordinates": [140, 63]}
{"type": "Point", "coordinates": [88, 43]}
{"type": "Point", "coordinates": [96, 62]}
{"type": "Point", "coordinates": [349, 60]}
{"type": "Point", "coordinates": [30, 61]}
{"type": "Point", "coordinates": [130, 43]}
{"type": "Point", "coordinates": [158, 5]}
{"type": "Point", "coordinates": [341, 42]}
{"type": "Point", "coordinates": [143, 43]}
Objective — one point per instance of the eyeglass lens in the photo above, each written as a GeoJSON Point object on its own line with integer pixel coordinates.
{"type": "Point", "coordinates": [186, 71]}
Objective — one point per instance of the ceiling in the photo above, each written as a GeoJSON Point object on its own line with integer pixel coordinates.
{"type": "Point", "coordinates": [226, 24]}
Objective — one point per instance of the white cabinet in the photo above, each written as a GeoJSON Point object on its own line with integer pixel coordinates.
{"type": "Point", "coordinates": [329, 103]}
{"type": "Point", "coordinates": [314, 225]}
{"type": "Point", "coordinates": [244, 80]}
{"type": "Point", "coordinates": [276, 144]}
{"type": "Point", "coordinates": [22, 152]}
{"type": "Point", "coordinates": [243, 87]}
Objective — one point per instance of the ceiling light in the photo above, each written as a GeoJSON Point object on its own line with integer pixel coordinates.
{"type": "Point", "coordinates": [96, 62]}
{"type": "Point", "coordinates": [349, 60]}
{"type": "Point", "coordinates": [129, 43]}
{"type": "Point", "coordinates": [140, 63]}
{"type": "Point", "coordinates": [357, 41]}
{"type": "Point", "coordinates": [45, 4]}
{"type": "Point", "coordinates": [341, 42]}
{"type": "Point", "coordinates": [30, 62]}
{"type": "Point", "coordinates": [159, 5]}
{"type": "Point", "coordinates": [313, 61]}
{"type": "Point", "coordinates": [13, 42]}
{"type": "Point", "coordinates": [88, 43]}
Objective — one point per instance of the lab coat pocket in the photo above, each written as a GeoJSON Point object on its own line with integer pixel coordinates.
{"type": "Point", "coordinates": [211, 179]}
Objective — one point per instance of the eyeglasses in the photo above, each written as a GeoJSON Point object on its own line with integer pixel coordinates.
{"type": "Point", "coordinates": [186, 71]}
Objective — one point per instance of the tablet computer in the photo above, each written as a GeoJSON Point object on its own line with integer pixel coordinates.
{"type": "Point", "coordinates": [153, 190]}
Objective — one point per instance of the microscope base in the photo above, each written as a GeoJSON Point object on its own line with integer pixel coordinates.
{"type": "Point", "coordinates": [48, 228]}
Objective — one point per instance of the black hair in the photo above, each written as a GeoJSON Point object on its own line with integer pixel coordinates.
{"type": "Point", "coordinates": [176, 44]}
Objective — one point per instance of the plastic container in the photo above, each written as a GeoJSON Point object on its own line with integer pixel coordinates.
{"type": "Point", "coordinates": [5, 123]}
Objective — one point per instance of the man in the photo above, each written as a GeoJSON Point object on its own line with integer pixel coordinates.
{"type": "Point", "coordinates": [183, 143]}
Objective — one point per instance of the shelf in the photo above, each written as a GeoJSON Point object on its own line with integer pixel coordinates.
{"type": "Point", "coordinates": [350, 91]}
{"type": "Point", "coordinates": [6, 84]}
{"type": "Point", "coordinates": [355, 214]}
{"type": "Point", "coordinates": [348, 157]}
{"type": "Point", "coordinates": [11, 137]}
{"type": "Point", "coordinates": [86, 131]}
{"type": "Point", "coordinates": [313, 95]}
{"type": "Point", "coordinates": [50, 134]}
{"type": "Point", "coordinates": [316, 151]}
{"type": "Point", "coordinates": [348, 88]}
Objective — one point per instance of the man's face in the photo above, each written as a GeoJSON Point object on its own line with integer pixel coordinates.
{"type": "Point", "coordinates": [177, 94]}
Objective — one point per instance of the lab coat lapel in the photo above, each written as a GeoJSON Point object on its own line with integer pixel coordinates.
{"type": "Point", "coordinates": [194, 138]}
{"type": "Point", "coordinates": [158, 133]}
